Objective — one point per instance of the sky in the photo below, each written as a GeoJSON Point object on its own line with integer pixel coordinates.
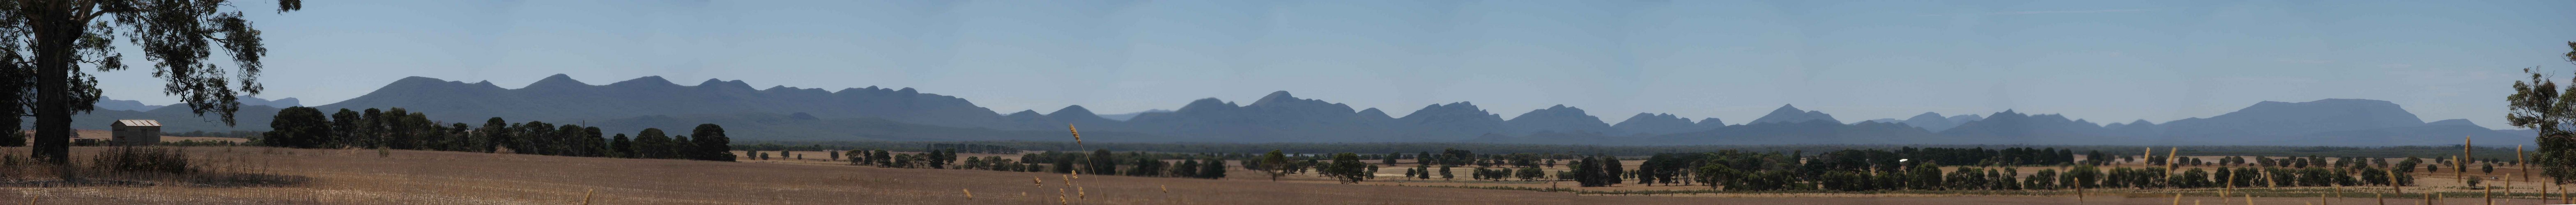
{"type": "Point", "coordinates": [1735, 60]}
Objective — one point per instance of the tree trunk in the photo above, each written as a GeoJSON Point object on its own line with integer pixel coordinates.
{"type": "Point", "coordinates": [55, 31]}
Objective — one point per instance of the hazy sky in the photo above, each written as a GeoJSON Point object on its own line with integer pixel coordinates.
{"type": "Point", "coordinates": [1735, 60]}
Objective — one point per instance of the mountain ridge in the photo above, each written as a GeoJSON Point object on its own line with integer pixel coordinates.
{"type": "Point", "coordinates": [1283, 117]}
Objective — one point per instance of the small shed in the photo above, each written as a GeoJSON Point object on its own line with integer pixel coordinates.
{"type": "Point", "coordinates": [132, 132]}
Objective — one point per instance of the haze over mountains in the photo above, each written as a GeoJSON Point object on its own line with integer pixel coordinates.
{"type": "Point", "coordinates": [105, 103]}
{"type": "Point", "coordinates": [872, 113]}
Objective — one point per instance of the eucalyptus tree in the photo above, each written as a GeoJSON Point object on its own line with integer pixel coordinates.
{"type": "Point", "coordinates": [45, 46]}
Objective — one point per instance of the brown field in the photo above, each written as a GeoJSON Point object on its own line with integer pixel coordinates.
{"type": "Point", "coordinates": [348, 176]}
{"type": "Point", "coordinates": [103, 134]}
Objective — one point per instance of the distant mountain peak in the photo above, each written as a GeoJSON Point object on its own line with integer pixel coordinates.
{"type": "Point", "coordinates": [1932, 121]}
{"type": "Point", "coordinates": [1275, 96]}
{"type": "Point", "coordinates": [2271, 119]}
{"type": "Point", "coordinates": [1025, 113]}
{"type": "Point", "coordinates": [1791, 114]}
{"type": "Point", "coordinates": [712, 83]}
{"type": "Point", "coordinates": [1557, 118]}
{"type": "Point", "coordinates": [418, 79]}
{"type": "Point", "coordinates": [556, 81]}
{"type": "Point", "coordinates": [646, 81]}
{"type": "Point", "coordinates": [1075, 110]}
{"type": "Point", "coordinates": [1658, 123]}
{"type": "Point", "coordinates": [1203, 104]}
{"type": "Point", "coordinates": [1558, 111]}
{"type": "Point", "coordinates": [1374, 113]}
{"type": "Point", "coordinates": [2452, 122]}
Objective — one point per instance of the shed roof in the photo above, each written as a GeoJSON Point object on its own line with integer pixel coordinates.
{"type": "Point", "coordinates": [140, 123]}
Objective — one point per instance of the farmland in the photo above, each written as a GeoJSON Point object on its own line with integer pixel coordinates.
{"type": "Point", "coordinates": [356, 176]}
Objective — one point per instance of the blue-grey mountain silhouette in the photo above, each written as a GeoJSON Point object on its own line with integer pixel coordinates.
{"type": "Point", "coordinates": [1557, 118]}
{"type": "Point", "coordinates": [1931, 121]}
{"type": "Point", "coordinates": [1659, 123]}
{"type": "Point", "coordinates": [1790, 113]}
{"type": "Point", "coordinates": [789, 113]}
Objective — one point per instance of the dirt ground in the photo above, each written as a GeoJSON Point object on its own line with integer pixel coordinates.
{"type": "Point", "coordinates": [345, 176]}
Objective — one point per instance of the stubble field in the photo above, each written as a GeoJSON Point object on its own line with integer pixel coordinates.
{"type": "Point", "coordinates": [349, 176]}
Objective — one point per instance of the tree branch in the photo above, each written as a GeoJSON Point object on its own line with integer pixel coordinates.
{"type": "Point", "coordinates": [90, 7]}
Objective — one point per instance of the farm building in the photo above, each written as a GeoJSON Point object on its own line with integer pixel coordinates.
{"type": "Point", "coordinates": [136, 132]}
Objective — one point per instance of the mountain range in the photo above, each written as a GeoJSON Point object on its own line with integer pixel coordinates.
{"type": "Point", "coordinates": [872, 113]}
{"type": "Point", "coordinates": [105, 103]}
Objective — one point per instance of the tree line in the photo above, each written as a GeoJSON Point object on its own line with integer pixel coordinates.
{"type": "Point", "coordinates": [1101, 162]}
{"type": "Point", "coordinates": [396, 128]}
{"type": "Point", "coordinates": [1874, 170]}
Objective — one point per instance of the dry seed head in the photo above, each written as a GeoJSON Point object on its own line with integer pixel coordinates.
{"type": "Point", "coordinates": [1077, 134]}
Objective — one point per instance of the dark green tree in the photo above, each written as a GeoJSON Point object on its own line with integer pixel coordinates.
{"type": "Point", "coordinates": [344, 124]}
{"type": "Point", "coordinates": [2537, 104]}
{"type": "Point", "coordinates": [1610, 164]}
{"type": "Point", "coordinates": [1445, 175]}
{"type": "Point", "coordinates": [1591, 172]}
{"type": "Point", "coordinates": [1187, 168]}
{"type": "Point", "coordinates": [711, 143]}
{"type": "Point", "coordinates": [494, 133]}
{"type": "Point", "coordinates": [1389, 159]}
{"type": "Point", "coordinates": [1275, 163]}
{"type": "Point", "coordinates": [1347, 167]}
{"type": "Point", "coordinates": [1101, 162]}
{"type": "Point", "coordinates": [179, 36]}
{"type": "Point", "coordinates": [1927, 176]}
{"type": "Point", "coordinates": [1213, 169]}
{"type": "Point", "coordinates": [623, 148]}
{"type": "Point", "coordinates": [371, 128]}
{"type": "Point", "coordinates": [297, 127]}
{"type": "Point", "coordinates": [1530, 173]}
{"type": "Point", "coordinates": [886, 159]}
{"type": "Point", "coordinates": [1424, 159]}
{"type": "Point", "coordinates": [398, 128]}
{"type": "Point", "coordinates": [651, 144]}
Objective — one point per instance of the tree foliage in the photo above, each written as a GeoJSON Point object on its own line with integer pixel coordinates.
{"type": "Point", "coordinates": [2538, 104]}
{"type": "Point", "coordinates": [44, 45]}
{"type": "Point", "coordinates": [1347, 168]}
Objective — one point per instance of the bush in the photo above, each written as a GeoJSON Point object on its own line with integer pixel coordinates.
{"type": "Point", "coordinates": [13, 139]}
{"type": "Point", "coordinates": [142, 160]}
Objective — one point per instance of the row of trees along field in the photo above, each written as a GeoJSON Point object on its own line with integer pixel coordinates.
{"type": "Point", "coordinates": [1905, 168]}
{"type": "Point", "coordinates": [1098, 162]}
{"type": "Point", "coordinates": [1869, 170]}
{"type": "Point", "coordinates": [395, 128]}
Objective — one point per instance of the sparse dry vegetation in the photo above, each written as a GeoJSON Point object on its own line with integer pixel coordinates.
{"type": "Point", "coordinates": [362, 176]}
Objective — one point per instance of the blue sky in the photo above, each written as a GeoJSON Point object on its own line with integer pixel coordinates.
{"type": "Point", "coordinates": [1735, 60]}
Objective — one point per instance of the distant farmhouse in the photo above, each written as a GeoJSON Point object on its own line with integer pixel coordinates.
{"type": "Point", "coordinates": [132, 132]}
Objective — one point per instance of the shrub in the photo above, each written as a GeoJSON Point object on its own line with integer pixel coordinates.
{"type": "Point", "coordinates": [142, 160]}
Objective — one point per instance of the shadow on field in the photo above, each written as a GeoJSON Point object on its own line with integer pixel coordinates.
{"type": "Point", "coordinates": [140, 167]}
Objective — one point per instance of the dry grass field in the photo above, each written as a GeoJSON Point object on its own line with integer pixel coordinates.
{"type": "Point", "coordinates": [349, 176]}
{"type": "Point", "coordinates": [165, 138]}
